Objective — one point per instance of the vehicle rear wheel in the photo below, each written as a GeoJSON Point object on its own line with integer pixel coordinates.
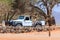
{"type": "Point", "coordinates": [38, 28]}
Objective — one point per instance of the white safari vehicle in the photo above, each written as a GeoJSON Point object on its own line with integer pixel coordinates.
{"type": "Point", "coordinates": [25, 21]}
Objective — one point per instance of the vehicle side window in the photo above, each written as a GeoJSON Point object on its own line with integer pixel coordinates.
{"type": "Point", "coordinates": [27, 18]}
{"type": "Point", "coordinates": [21, 17]}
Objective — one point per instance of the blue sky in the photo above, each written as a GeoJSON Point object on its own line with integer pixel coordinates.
{"type": "Point", "coordinates": [55, 11]}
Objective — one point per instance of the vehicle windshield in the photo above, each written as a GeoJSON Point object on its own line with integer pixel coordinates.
{"type": "Point", "coordinates": [21, 17]}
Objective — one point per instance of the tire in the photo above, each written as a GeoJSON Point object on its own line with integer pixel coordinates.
{"type": "Point", "coordinates": [38, 24]}
{"type": "Point", "coordinates": [19, 25]}
{"type": "Point", "coordinates": [38, 28]}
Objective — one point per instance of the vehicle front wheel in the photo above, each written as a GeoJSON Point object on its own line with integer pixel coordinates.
{"type": "Point", "coordinates": [18, 25]}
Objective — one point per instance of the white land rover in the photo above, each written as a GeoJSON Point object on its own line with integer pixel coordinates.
{"type": "Point", "coordinates": [25, 21]}
{"type": "Point", "coordinates": [22, 21]}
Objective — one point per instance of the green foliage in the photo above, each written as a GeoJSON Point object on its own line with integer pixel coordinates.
{"type": "Point", "coordinates": [6, 1]}
{"type": "Point", "coordinates": [5, 7]}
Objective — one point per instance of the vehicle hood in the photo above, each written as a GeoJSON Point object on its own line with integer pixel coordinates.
{"type": "Point", "coordinates": [16, 20]}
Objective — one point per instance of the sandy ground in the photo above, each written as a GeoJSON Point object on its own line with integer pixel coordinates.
{"type": "Point", "coordinates": [55, 35]}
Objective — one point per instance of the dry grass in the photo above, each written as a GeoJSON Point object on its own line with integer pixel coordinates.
{"type": "Point", "coordinates": [11, 29]}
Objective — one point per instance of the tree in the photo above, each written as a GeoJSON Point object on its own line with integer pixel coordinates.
{"type": "Point", "coordinates": [5, 7]}
{"type": "Point", "coordinates": [19, 4]}
{"type": "Point", "coordinates": [49, 4]}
